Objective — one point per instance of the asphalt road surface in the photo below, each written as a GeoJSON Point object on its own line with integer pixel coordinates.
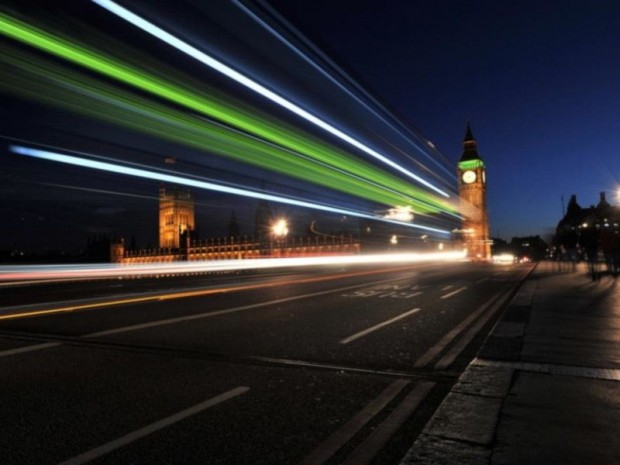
{"type": "Point", "coordinates": [325, 365]}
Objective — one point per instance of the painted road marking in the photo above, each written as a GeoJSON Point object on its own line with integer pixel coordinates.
{"type": "Point", "coordinates": [450, 294]}
{"type": "Point", "coordinates": [401, 295]}
{"type": "Point", "coordinates": [21, 350]}
{"type": "Point", "coordinates": [175, 320]}
{"type": "Point", "coordinates": [447, 287]}
{"type": "Point", "coordinates": [449, 358]}
{"type": "Point", "coordinates": [364, 293]}
{"type": "Point", "coordinates": [481, 280]}
{"type": "Point", "coordinates": [335, 442]}
{"type": "Point", "coordinates": [153, 427]}
{"type": "Point", "coordinates": [170, 321]}
{"type": "Point", "coordinates": [158, 296]}
{"type": "Point", "coordinates": [454, 332]}
{"type": "Point", "coordinates": [73, 308]}
{"type": "Point", "coordinates": [395, 291]}
{"type": "Point", "coordinates": [367, 450]}
{"type": "Point", "coordinates": [379, 326]}
{"type": "Point", "coordinates": [490, 305]}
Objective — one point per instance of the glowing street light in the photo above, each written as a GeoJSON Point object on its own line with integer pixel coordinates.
{"type": "Point", "coordinates": [279, 229]}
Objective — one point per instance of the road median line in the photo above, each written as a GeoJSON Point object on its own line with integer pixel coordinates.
{"type": "Point", "coordinates": [32, 348]}
{"type": "Point", "coordinates": [72, 308]}
{"type": "Point", "coordinates": [35, 310]}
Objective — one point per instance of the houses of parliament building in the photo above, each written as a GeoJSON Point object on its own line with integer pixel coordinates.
{"type": "Point", "coordinates": [178, 240]}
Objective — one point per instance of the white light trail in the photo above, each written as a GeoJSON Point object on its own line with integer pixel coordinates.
{"type": "Point", "coordinates": [399, 127]}
{"type": "Point", "coordinates": [21, 273]}
{"type": "Point", "coordinates": [141, 173]}
{"type": "Point", "coordinates": [400, 213]}
{"type": "Point", "coordinates": [220, 67]}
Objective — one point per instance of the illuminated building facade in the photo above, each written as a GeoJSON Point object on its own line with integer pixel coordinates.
{"type": "Point", "coordinates": [471, 173]}
{"type": "Point", "coordinates": [225, 248]}
{"type": "Point", "coordinates": [178, 243]}
{"type": "Point", "coordinates": [176, 216]}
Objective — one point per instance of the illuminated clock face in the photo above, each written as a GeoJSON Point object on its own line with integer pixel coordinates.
{"type": "Point", "coordinates": [469, 177]}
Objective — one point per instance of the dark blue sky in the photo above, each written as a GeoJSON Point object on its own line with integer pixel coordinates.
{"type": "Point", "coordinates": [540, 82]}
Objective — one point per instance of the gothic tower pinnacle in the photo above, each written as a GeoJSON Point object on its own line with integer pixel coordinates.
{"type": "Point", "coordinates": [471, 172]}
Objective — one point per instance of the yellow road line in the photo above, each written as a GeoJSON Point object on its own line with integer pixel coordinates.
{"type": "Point", "coordinates": [181, 295]}
{"type": "Point", "coordinates": [107, 303]}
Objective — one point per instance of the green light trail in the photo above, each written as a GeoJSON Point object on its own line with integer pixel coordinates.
{"type": "Point", "coordinates": [149, 117]}
{"type": "Point", "coordinates": [65, 89]}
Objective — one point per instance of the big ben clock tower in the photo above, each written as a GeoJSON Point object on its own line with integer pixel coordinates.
{"type": "Point", "coordinates": [473, 202]}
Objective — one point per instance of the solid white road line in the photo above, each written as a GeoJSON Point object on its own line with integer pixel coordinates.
{"type": "Point", "coordinates": [450, 294]}
{"type": "Point", "coordinates": [170, 321]}
{"type": "Point", "coordinates": [447, 287]}
{"type": "Point", "coordinates": [464, 339]}
{"type": "Point", "coordinates": [21, 350]}
{"type": "Point", "coordinates": [328, 448]}
{"type": "Point", "coordinates": [153, 427]}
{"type": "Point", "coordinates": [454, 332]}
{"type": "Point", "coordinates": [379, 326]}
{"type": "Point", "coordinates": [367, 450]}
{"type": "Point", "coordinates": [49, 345]}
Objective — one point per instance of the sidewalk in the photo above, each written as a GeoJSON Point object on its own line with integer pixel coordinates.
{"type": "Point", "coordinates": [545, 387]}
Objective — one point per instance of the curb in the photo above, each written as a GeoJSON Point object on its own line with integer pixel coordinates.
{"type": "Point", "coordinates": [462, 429]}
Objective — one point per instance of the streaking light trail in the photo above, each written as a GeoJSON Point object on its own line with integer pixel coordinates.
{"type": "Point", "coordinates": [220, 67]}
{"type": "Point", "coordinates": [80, 94]}
{"type": "Point", "coordinates": [80, 272]}
{"type": "Point", "coordinates": [279, 134]}
{"type": "Point", "coordinates": [392, 121]}
{"type": "Point", "coordinates": [141, 173]}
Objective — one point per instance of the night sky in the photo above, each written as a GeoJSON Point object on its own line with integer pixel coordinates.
{"type": "Point", "coordinates": [537, 80]}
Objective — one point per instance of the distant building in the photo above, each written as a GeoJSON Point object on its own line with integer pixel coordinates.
{"type": "Point", "coordinates": [178, 241]}
{"type": "Point", "coordinates": [176, 216]}
{"type": "Point", "coordinates": [580, 225]}
{"type": "Point", "coordinates": [472, 186]}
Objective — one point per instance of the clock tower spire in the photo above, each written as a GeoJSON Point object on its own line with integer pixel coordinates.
{"type": "Point", "coordinates": [473, 203]}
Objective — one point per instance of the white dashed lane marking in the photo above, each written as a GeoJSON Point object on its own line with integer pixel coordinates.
{"type": "Point", "coordinates": [153, 427]}
{"type": "Point", "coordinates": [378, 326]}
{"type": "Point", "coordinates": [450, 294]}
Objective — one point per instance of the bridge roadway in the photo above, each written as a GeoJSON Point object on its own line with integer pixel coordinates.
{"type": "Point", "coordinates": [320, 365]}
